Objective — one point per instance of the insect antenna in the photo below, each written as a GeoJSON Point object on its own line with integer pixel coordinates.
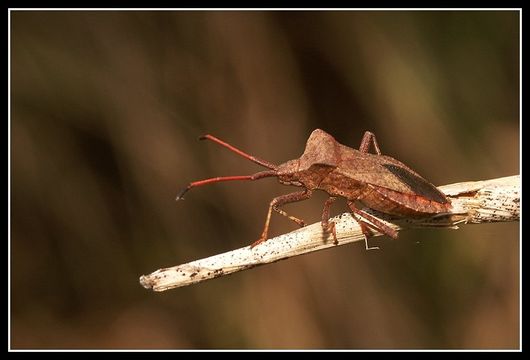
{"type": "Point", "coordinates": [240, 152]}
{"type": "Point", "coordinates": [260, 175]}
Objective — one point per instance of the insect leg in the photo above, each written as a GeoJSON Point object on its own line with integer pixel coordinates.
{"type": "Point", "coordinates": [373, 222]}
{"type": "Point", "coordinates": [275, 205]}
{"type": "Point", "coordinates": [369, 221]}
{"type": "Point", "coordinates": [329, 226]}
{"type": "Point", "coordinates": [368, 139]}
{"type": "Point", "coordinates": [364, 228]}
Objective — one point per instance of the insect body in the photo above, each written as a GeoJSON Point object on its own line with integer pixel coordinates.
{"type": "Point", "coordinates": [380, 182]}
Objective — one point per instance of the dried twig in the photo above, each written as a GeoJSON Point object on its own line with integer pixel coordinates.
{"type": "Point", "coordinates": [474, 202]}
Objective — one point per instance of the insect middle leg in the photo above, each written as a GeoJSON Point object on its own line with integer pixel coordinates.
{"type": "Point", "coordinates": [275, 205]}
{"type": "Point", "coordinates": [329, 226]}
{"type": "Point", "coordinates": [368, 139]}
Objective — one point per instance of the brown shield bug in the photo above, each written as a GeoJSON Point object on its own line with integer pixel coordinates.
{"type": "Point", "coordinates": [379, 182]}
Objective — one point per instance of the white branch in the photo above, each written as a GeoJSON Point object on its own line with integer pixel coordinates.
{"type": "Point", "coordinates": [496, 200]}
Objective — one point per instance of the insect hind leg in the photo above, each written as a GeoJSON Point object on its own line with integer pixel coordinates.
{"type": "Point", "coordinates": [367, 222]}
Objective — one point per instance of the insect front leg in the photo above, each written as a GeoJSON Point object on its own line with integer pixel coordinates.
{"type": "Point", "coordinates": [329, 226]}
{"type": "Point", "coordinates": [367, 221]}
{"type": "Point", "coordinates": [275, 205]}
{"type": "Point", "coordinates": [368, 139]}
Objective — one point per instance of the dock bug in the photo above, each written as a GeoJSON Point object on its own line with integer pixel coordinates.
{"type": "Point", "coordinates": [378, 181]}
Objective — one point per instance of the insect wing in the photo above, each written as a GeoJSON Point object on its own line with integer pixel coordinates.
{"type": "Point", "coordinates": [387, 172]}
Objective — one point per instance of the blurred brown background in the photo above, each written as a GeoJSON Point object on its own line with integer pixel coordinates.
{"type": "Point", "coordinates": [106, 108]}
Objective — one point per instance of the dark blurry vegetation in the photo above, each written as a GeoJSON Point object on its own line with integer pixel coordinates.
{"type": "Point", "coordinates": [106, 108]}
